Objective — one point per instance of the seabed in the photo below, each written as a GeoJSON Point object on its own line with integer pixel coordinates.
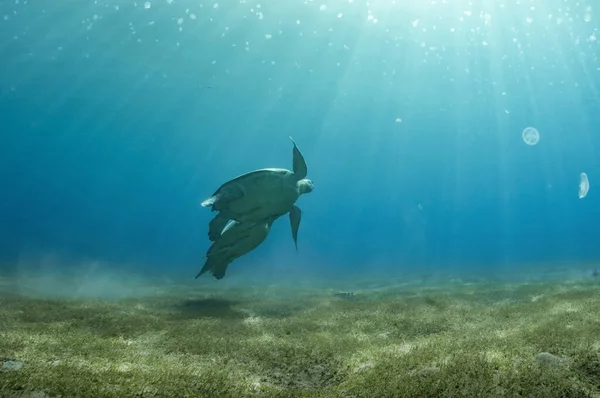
{"type": "Point", "coordinates": [391, 338]}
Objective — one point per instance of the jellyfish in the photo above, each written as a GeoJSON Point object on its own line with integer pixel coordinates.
{"type": "Point", "coordinates": [531, 136]}
{"type": "Point", "coordinates": [584, 185]}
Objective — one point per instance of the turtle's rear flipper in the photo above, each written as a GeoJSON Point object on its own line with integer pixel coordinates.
{"type": "Point", "coordinates": [215, 266]}
{"type": "Point", "coordinates": [203, 270]}
{"type": "Point", "coordinates": [218, 271]}
{"type": "Point", "coordinates": [215, 227]}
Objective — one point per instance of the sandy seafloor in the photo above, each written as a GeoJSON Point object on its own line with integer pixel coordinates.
{"type": "Point", "coordinates": [534, 334]}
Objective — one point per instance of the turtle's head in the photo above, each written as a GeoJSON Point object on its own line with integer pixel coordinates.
{"type": "Point", "coordinates": [305, 186]}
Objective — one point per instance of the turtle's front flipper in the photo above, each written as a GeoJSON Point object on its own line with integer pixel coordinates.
{"type": "Point", "coordinates": [300, 169]}
{"type": "Point", "coordinates": [295, 217]}
{"type": "Point", "coordinates": [216, 225]}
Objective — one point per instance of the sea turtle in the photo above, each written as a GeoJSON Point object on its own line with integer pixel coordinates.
{"type": "Point", "coordinates": [259, 195]}
{"type": "Point", "coordinates": [236, 240]}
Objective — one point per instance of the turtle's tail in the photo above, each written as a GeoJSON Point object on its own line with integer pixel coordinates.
{"type": "Point", "coordinates": [209, 202]}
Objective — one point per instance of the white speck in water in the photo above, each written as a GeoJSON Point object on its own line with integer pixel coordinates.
{"type": "Point", "coordinates": [147, 5]}
{"type": "Point", "coordinates": [323, 7]}
{"type": "Point", "coordinates": [268, 36]}
{"type": "Point", "coordinates": [584, 185]}
{"type": "Point", "coordinates": [398, 120]}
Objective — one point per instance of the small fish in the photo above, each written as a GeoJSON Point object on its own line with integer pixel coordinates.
{"type": "Point", "coordinates": [343, 294]}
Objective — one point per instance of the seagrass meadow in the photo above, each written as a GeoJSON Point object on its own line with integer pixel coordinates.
{"type": "Point", "coordinates": [397, 338]}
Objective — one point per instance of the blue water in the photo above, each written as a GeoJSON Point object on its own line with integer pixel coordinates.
{"type": "Point", "coordinates": [117, 120]}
